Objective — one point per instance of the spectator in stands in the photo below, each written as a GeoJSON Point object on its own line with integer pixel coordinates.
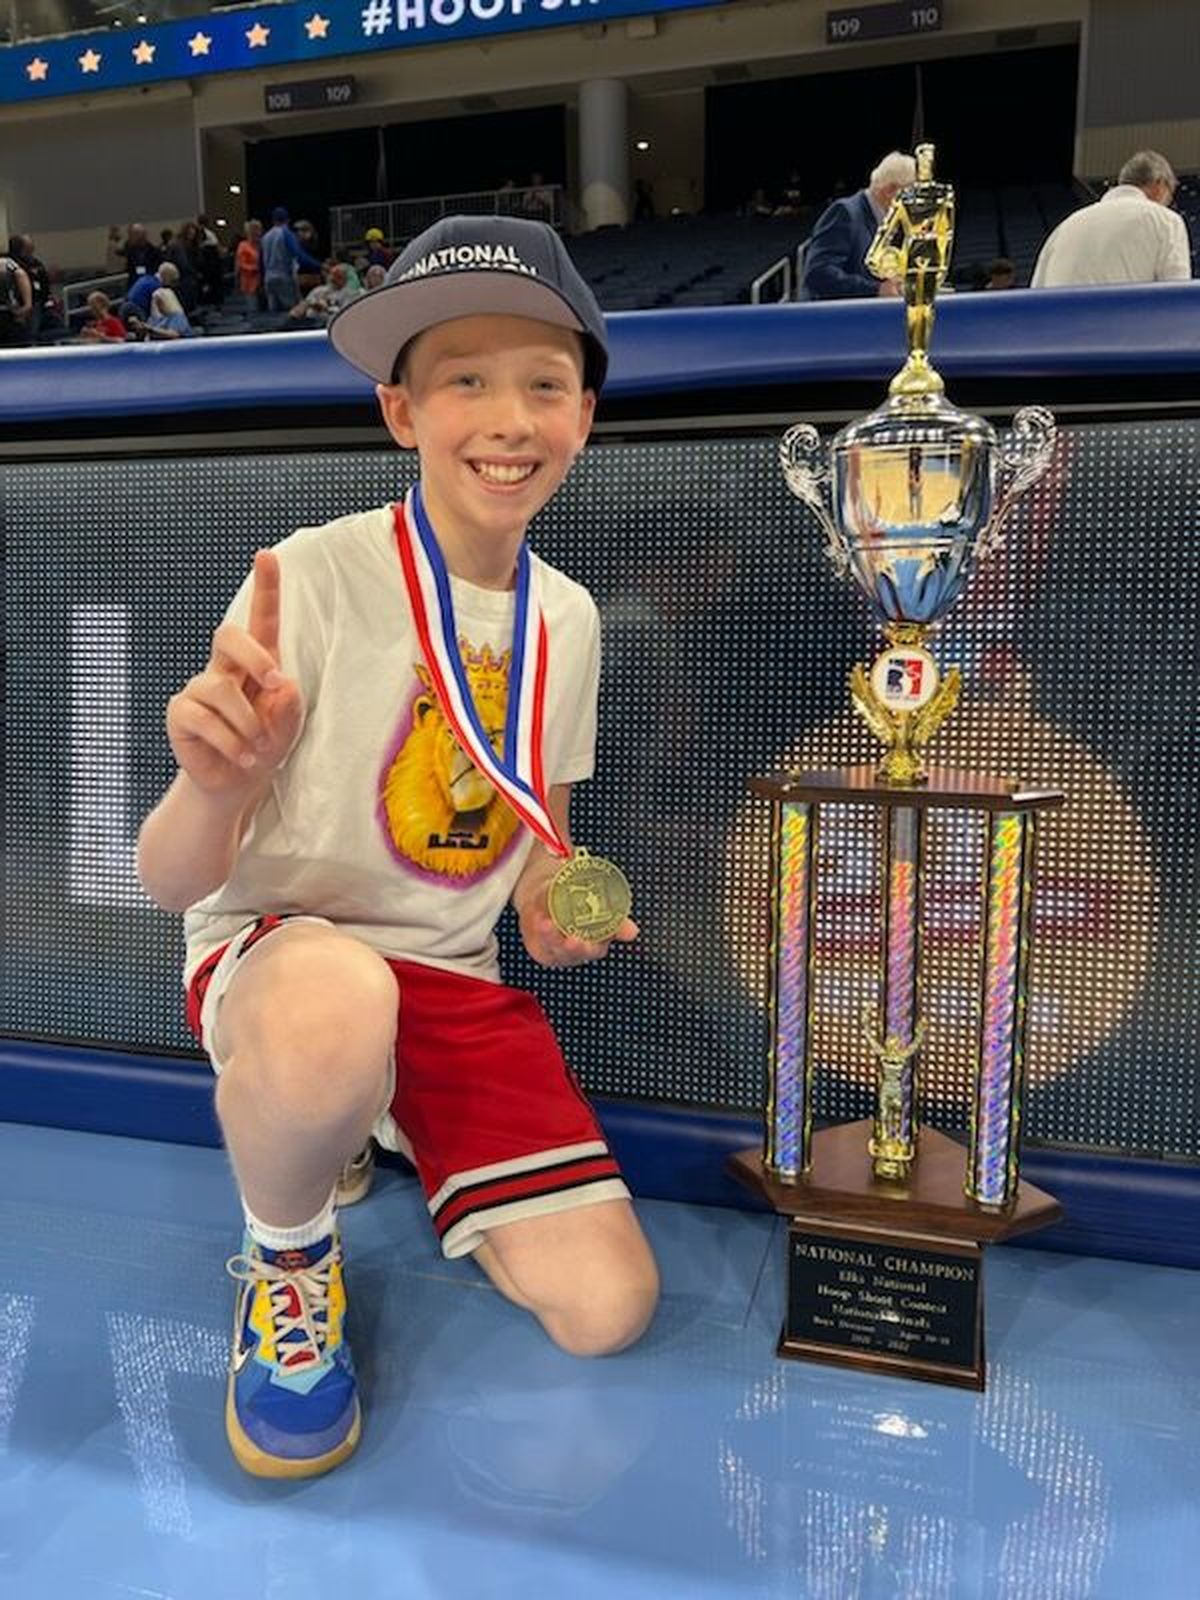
{"type": "Point", "coordinates": [168, 319]}
{"type": "Point", "coordinates": [105, 327]}
{"type": "Point", "coordinates": [212, 264]}
{"type": "Point", "coordinates": [184, 255]}
{"type": "Point", "coordinates": [140, 255]}
{"type": "Point", "coordinates": [376, 278]}
{"type": "Point", "coordinates": [309, 277]}
{"type": "Point", "coordinates": [643, 201]}
{"type": "Point", "coordinates": [248, 261]}
{"type": "Point", "coordinates": [20, 249]}
{"type": "Point", "coordinates": [791, 200]}
{"type": "Point", "coordinates": [1129, 235]}
{"type": "Point", "coordinates": [137, 301]}
{"type": "Point", "coordinates": [16, 302]}
{"type": "Point", "coordinates": [354, 276]}
{"type": "Point", "coordinates": [378, 254]}
{"type": "Point", "coordinates": [165, 235]}
{"type": "Point", "coordinates": [539, 200]}
{"type": "Point", "coordinates": [833, 264]}
{"type": "Point", "coordinates": [1001, 274]}
{"type": "Point", "coordinates": [759, 204]}
{"type": "Point", "coordinates": [282, 254]}
{"type": "Point", "coordinates": [320, 303]}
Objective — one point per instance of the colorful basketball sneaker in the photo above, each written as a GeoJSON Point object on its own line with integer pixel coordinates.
{"type": "Point", "coordinates": [291, 1409]}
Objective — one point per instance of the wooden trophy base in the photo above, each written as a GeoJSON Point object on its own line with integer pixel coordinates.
{"type": "Point", "coordinates": [888, 1276]}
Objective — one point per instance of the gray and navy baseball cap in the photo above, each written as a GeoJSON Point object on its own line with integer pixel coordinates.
{"type": "Point", "coordinates": [465, 267]}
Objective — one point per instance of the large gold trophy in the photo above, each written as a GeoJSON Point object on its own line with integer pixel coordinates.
{"type": "Point", "coordinates": [888, 1219]}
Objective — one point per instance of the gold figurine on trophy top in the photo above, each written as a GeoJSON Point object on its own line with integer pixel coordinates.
{"type": "Point", "coordinates": [913, 245]}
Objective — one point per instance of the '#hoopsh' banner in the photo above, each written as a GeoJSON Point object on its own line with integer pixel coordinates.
{"type": "Point", "coordinates": [273, 35]}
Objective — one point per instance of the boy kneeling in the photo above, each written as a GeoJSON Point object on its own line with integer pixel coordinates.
{"type": "Point", "coordinates": [377, 757]}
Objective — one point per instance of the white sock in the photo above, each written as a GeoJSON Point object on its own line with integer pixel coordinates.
{"type": "Point", "coordinates": [306, 1233]}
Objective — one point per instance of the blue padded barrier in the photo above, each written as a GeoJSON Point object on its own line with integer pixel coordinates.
{"type": "Point", "coordinates": [1053, 333]}
{"type": "Point", "coordinates": [1133, 1210]}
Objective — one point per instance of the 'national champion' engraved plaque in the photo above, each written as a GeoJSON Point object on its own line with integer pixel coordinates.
{"type": "Point", "coordinates": [888, 1275]}
{"type": "Point", "coordinates": [891, 1301]}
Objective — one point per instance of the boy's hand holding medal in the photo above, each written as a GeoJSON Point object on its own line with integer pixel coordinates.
{"type": "Point", "coordinates": [570, 915]}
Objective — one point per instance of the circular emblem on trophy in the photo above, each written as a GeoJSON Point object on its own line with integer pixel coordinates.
{"type": "Point", "coordinates": [905, 677]}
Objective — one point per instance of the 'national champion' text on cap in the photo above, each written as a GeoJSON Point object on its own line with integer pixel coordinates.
{"type": "Point", "coordinates": [468, 266]}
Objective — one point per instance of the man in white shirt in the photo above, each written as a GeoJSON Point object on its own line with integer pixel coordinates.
{"type": "Point", "coordinates": [1130, 235]}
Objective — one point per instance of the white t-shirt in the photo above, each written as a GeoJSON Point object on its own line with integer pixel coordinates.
{"type": "Point", "coordinates": [1125, 237]}
{"type": "Point", "coordinates": [376, 820]}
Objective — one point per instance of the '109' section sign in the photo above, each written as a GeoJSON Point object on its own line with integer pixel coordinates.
{"type": "Point", "coordinates": [272, 35]}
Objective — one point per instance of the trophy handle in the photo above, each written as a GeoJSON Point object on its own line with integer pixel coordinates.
{"type": "Point", "coordinates": [1026, 454]}
{"type": "Point", "coordinates": [806, 468]}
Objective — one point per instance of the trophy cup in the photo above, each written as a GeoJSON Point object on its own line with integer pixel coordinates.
{"type": "Point", "coordinates": [914, 490]}
{"type": "Point", "coordinates": [885, 1243]}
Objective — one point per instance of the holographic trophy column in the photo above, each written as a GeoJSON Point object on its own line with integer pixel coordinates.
{"type": "Point", "coordinates": [993, 1164]}
{"type": "Point", "coordinates": [893, 1142]}
{"type": "Point", "coordinates": [887, 1231]}
{"type": "Point", "coordinates": [788, 1153]}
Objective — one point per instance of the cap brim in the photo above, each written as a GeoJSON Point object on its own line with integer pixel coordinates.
{"type": "Point", "coordinates": [371, 331]}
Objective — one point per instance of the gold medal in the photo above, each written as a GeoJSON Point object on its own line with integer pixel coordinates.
{"type": "Point", "coordinates": [589, 898]}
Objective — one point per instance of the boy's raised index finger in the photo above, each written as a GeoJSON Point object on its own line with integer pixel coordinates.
{"type": "Point", "coordinates": [263, 625]}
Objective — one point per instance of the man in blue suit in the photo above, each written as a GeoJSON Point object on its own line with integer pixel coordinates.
{"type": "Point", "coordinates": [833, 263]}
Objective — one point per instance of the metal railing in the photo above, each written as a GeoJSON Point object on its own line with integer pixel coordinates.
{"type": "Point", "coordinates": [781, 269]}
{"type": "Point", "coordinates": [112, 284]}
{"type": "Point", "coordinates": [799, 269]}
{"type": "Point", "coordinates": [401, 220]}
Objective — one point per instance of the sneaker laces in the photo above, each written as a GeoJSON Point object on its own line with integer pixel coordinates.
{"type": "Point", "coordinates": [298, 1297]}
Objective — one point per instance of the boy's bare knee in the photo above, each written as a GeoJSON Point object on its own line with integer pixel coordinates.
{"type": "Point", "coordinates": [308, 1006]}
{"type": "Point", "coordinates": [586, 1273]}
{"type": "Point", "coordinates": [607, 1318]}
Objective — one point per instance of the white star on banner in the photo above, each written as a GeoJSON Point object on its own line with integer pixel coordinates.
{"type": "Point", "coordinates": [143, 53]}
{"type": "Point", "coordinates": [89, 61]}
{"type": "Point", "coordinates": [257, 36]}
{"type": "Point", "coordinates": [317, 26]}
{"type": "Point", "coordinates": [37, 70]}
{"type": "Point", "coordinates": [200, 43]}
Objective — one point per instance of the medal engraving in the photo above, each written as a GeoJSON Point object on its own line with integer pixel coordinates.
{"type": "Point", "coordinates": [589, 898]}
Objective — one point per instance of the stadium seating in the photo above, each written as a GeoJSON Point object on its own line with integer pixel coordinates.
{"type": "Point", "coordinates": [1187, 201]}
{"type": "Point", "coordinates": [683, 261]}
{"type": "Point", "coordinates": [713, 260]}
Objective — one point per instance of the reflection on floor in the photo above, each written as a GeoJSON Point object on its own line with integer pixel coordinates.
{"type": "Point", "coordinates": [493, 1465]}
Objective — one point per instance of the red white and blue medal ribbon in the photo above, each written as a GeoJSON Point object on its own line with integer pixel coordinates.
{"type": "Point", "coordinates": [517, 774]}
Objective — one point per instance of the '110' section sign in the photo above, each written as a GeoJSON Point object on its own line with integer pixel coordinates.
{"type": "Point", "coordinates": [858, 23]}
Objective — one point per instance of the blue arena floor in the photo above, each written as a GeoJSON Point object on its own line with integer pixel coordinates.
{"type": "Point", "coordinates": [492, 1465]}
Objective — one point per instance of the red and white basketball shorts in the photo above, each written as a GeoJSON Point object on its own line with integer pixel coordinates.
{"type": "Point", "coordinates": [483, 1103]}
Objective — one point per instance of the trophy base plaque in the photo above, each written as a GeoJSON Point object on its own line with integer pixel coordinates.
{"type": "Point", "coordinates": [887, 1276]}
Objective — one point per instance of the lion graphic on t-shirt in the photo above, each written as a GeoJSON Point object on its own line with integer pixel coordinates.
{"type": "Point", "coordinates": [441, 813]}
